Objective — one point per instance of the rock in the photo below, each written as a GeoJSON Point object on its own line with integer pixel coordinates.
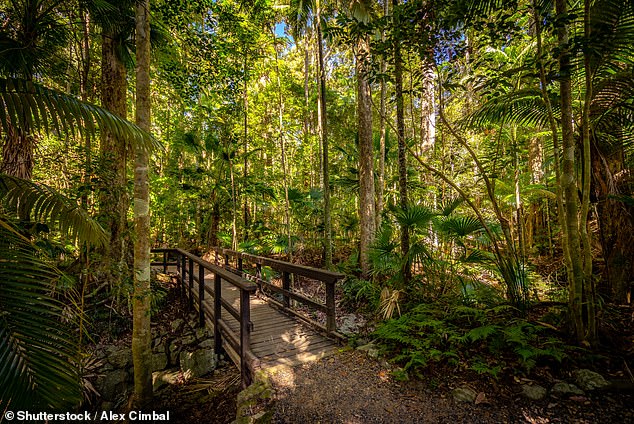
{"type": "Point", "coordinates": [175, 325]}
{"type": "Point", "coordinates": [370, 349]}
{"type": "Point", "coordinates": [202, 333]}
{"type": "Point", "coordinates": [589, 380]}
{"type": "Point", "coordinates": [161, 378]}
{"type": "Point", "coordinates": [158, 361]}
{"type": "Point", "coordinates": [350, 324]}
{"type": "Point", "coordinates": [120, 357]}
{"type": "Point", "coordinates": [464, 394]}
{"type": "Point", "coordinates": [565, 389]}
{"type": "Point", "coordinates": [198, 363]}
{"type": "Point", "coordinates": [534, 391]}
{"type": "Point", "coordinates": [112, 384]}
{"type": "Point", "coordinates": [256, 396]}
{"type": "Point", "coordinates": [206, 344]}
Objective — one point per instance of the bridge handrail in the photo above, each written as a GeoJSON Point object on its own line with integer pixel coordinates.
{"type": "Point", "coordinates": [241, 343]}
{"type": "Point", "coordinates": [329, 278]}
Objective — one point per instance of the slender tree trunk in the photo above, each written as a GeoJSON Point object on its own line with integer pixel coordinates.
{"type": "Point", "coordinates": [383, 133]}
{"type": "Point", "coordinates": [280, 105]}
{"type": "Point", "coordinates": [141, 334]}
{"type": "Point", "coordinates": [323, 133]}
{"type": "Point", "coordinates": [402, 152]}
{"type": "Point", "coordinates": [246, 148]}
{"type": "Point", "coordinates": [428, 109]}
{"type": "Point", "coordinates": [113, 197]}
{"type": "Point", "coordinates": [367, 216]}
{"type": "Point", "coordinates": [574, 258]}
{"type": "Point", "coordinates": [589, 295]}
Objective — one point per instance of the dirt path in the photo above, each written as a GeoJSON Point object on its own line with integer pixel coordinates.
{"type": "Point", "coordinates": [351, 388]}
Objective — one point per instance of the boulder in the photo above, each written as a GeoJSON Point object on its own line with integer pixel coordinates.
{"type": "Point", "coordinates": [112, 384]}
{"type": "Point", "coordinates": [589, 380]}
{"type": "Point", "coordinates": [464, 394]}
{"type": "Point", "coordinates": [534, 391]}
{"type": "Point", "coordinates": [120, 357]}
{"type": "Point", "coordinates": [198, 363]}
{"type": "Point", "coordinates": [350, 324]}
{"type": "Point", "coordinates": [562, 388]}
{"type": "Point", "coordinates": [370, 349]}
{"type": "Point", "coordinates": [158, 361]}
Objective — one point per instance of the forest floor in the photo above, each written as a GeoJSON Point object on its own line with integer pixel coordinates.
{"type": "Point", "coordinates": [352, 388]}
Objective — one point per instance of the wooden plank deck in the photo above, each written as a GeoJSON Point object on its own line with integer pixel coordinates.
{"type": "Point", "coordinates": [276, 338]}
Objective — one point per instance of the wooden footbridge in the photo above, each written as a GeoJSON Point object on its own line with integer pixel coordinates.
{"type": "Point", "coordinates": [256, 317]}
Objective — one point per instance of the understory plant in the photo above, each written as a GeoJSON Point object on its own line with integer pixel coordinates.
{"type": "Point", "coordinates": [489, 341]}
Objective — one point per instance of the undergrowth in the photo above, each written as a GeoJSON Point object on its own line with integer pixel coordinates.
{"type": "Point", "coordinates": [489, 341]}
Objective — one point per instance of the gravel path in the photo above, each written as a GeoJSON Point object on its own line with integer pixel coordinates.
{"type": "Point", "coordinates": [351, 388]}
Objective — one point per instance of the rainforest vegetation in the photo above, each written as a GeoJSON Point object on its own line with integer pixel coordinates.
{"type": "Point", "coordinates": [467, 164]}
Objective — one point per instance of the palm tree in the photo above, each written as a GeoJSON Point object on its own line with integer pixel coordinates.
{"type": "Point", "coordinates": [30, 38]}
{"type": "Point", "coordinates": [38, 349]}
{"type": "Point", "coordinates": [302, 12]}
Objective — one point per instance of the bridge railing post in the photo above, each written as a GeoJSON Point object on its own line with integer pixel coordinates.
{"type": "Point", "coordinates": [165, 262]}
{"type": "Point", "coordinates": [191, 284]}
{"type": "Point", "coordinates": [245, 335]}
{"type": "Point", "coordinates": [201, 295]}
{"type": "Point", "coordinates": [331, 324]}
{"type": "Point", "coordinates": [179, 272]}
{"type": "Point", "coordinates": [240, 266]}
{"type": "Point", "coordinates": [217, 313]}
{"type": "Point", "coordinates": [258, 275]}
{"type": "Point", "coordinates": [226, 261]}
{"type": "Point", "coordinates": [286, 285]}
{"type": "Point", "coordinates": [183, 262]}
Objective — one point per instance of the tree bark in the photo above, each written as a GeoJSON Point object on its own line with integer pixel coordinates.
{"type": "Point", "coordinates": [616, 221]}
{"type": "Point", "coordinates": [141, 334]}
{"type": "Point", "coordinates": [367, 219]}
{"type": "Point", "coordinates": [323, 134]}
{"type": "Point", "coordinates": [17, 153]}
{"type": "Point", "coordinates": [402, 152]}
{"type": "Point", "coordinates": [113, 197]}
{"type": "Point", "coordinates": [574, 255]}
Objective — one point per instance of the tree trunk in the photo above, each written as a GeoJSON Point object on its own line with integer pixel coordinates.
{"type": "Point", "coordinates": [428, 109]}
{"type": "Point", "coordinates": [569, 215]}
{"type": "Point", "coordinates": [17, 153]}
{"type": "Point", "coordinates": [380, 192]}
{"type": "Point", "coordinates": [402, 154]}
{"type": "Point", "coordinates": [367, 219]}
{"type": "Point", "coordinates": [323, 134]}
{"type": "Point", "coordinates": [141, 334]}
{"type": "Point", "coordinates": [113, 197]}
{"type": "Point", "coordinates": [616, 222]}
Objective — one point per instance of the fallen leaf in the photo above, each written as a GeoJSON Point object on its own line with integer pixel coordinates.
{"type": "Point", "coordinates": [481, 398]}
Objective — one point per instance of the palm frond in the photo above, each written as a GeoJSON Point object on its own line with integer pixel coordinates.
{"type": "Point", "coordinates": [38, 352]}
{"type": "Point", "coordinates": [450, 204]}
{"type": "Point", "coordinates": [413, 216]}
{"type": "Point", "coordinates": [522, 107]}
{"type": "Point", "coordinates": [26, 104]}
{"type": "Point", "coordinates": [41, 203]}
{"type": "Point", "coordinates": [460, 226]}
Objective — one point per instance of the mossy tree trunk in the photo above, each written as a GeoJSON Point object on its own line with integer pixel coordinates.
{"type": "Point", "coordinates": [141, 334]}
